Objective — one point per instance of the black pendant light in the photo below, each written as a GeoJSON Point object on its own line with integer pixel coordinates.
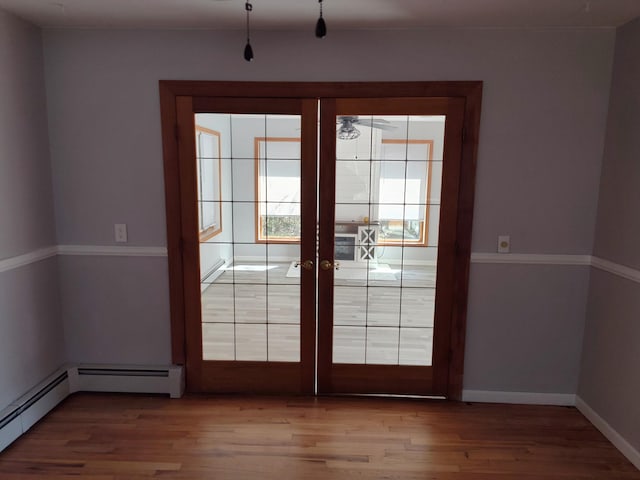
{"type": "Point", "coordinates": [248, 51]}
{"type": "Point", "coordinates": [321, 27]}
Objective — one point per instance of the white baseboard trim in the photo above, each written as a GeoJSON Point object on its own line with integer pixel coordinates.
{"type": "Point", "coordinates": [608, 431]}
{"type": "Point", "coordinates": [523, 398]}
{"type": "Point", "coordinates": [112, 251]}
{"type": "Point", "coordinates": [22, 414]}
{"type": "Point", "coordinates": [28, 258]}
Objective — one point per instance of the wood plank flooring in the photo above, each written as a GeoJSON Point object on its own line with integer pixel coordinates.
{"type": "Point", "coordinates": [109, 437]}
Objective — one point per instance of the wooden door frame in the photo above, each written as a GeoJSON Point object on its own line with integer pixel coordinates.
{"type": "Point", "coordinates": [471, 91]}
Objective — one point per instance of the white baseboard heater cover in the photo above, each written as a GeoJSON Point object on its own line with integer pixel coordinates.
{"type": "Point", "coordinates": [99, 378]}
{"type": "Point", "coordinates": [22, 414]}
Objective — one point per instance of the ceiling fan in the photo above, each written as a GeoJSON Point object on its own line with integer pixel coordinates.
{"type": "Point", "coordinates": [348, 131]}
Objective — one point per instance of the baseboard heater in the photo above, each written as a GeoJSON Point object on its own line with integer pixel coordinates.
{"type": "Point", "coordinates": [97, 378]}
{"type": "Point", "coordinates": [22, 414]}
{"type": "Point", "coordinates": [214, 272]}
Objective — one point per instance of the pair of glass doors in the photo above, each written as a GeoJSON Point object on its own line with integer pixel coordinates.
{"type": "Point", "coordinates": [318, 243]}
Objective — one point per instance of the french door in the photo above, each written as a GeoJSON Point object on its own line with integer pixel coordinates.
{"type": "Point", "coordinates": [386, 328]}
{"type": "Point", "coordinates": [249, 326]}
{"type": "Point", "coordinates": [318, 244]}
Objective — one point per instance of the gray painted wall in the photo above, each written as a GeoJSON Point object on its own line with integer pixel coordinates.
{"type": "Point", "coordinates": [115, 309]}
{"type": "Point", "coordinates": [525, 330]}
{"type": "Point", "coordinates": [31, 334]}
{"type": "Point", "coordinates": [609, 380]}
{"type": "Point", "coordinates": [542, 134]}
{"type": "Point", "coordinates": [31, 338]}
{"type": "Point", "coordinates": [618, 233]}
{"type": "Point", "coordinates": [26, 210]}
{"type": "Point", "coordinates": [544, 114]}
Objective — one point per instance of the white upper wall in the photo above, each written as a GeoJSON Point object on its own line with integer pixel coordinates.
{"type": "Point", "coordinates": [543, 117]}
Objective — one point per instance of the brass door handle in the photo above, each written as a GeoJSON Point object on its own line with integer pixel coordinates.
{"type": "Point", "coordinates": [307, 264]}
{"type": "Point", "coordinates": [327, 265]}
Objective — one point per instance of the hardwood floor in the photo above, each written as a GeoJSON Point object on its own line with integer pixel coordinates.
{"type": "Point", "coordinates": [109, 437]}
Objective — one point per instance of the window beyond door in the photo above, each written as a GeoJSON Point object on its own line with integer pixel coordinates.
{"type": "Point", "coordinates": [405, 190]}
{"type": "Point", "coordinates": [277, 187]}
{"type": "Point", "coordinates": [208, 152]}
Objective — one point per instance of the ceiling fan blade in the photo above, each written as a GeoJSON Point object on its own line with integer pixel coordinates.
{"type": "Point", "coordinates": [375, 123]}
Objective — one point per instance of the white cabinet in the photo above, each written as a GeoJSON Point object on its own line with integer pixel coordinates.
{"type": "Point", "coordinates": [367, 240]}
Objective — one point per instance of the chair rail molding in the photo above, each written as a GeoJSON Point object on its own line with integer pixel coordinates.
{"type": "Point", "coordinates": [11, 263]}
{"type": "Point", "coordinates": [112, 251]}
{"type": "Point", "coordinates": [481, 258]}
{"type": "Point", "coordinates": [616, 269]}
{"type": "Point", "coordinates": [552, 259]}
{"type": "Point", "coordinates": [530, 259]}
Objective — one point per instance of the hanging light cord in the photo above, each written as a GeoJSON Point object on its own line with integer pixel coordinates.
{"type": "Point", "coordinates": [321, 29]}
{"type": "Point", "coordinates": [248, 7]}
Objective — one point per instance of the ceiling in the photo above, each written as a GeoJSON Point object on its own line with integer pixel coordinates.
{"type": "Point", "coordinates": [339, 14]}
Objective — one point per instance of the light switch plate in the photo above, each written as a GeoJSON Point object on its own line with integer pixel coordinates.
{"type": "Point", "coordinates": [504, 244]}
{"type": "Point", "coordinates": [120, 230]}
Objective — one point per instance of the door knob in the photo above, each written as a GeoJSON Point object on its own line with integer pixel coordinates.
{"type": "Point", "coordinates": [327, 265]}
{"type": "Point", "coordinates": [307, 264]}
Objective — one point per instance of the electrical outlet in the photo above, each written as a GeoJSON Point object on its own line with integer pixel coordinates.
{"type": "Point", "coordinates": [504, 244]}
{"type": "Point", "coordinates": [120, 230]}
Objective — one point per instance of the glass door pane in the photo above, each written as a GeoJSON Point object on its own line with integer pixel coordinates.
{"type": "Point", "coordinates": [388, 183]}
{"type": "Point", "coordinates": [249, 184]}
